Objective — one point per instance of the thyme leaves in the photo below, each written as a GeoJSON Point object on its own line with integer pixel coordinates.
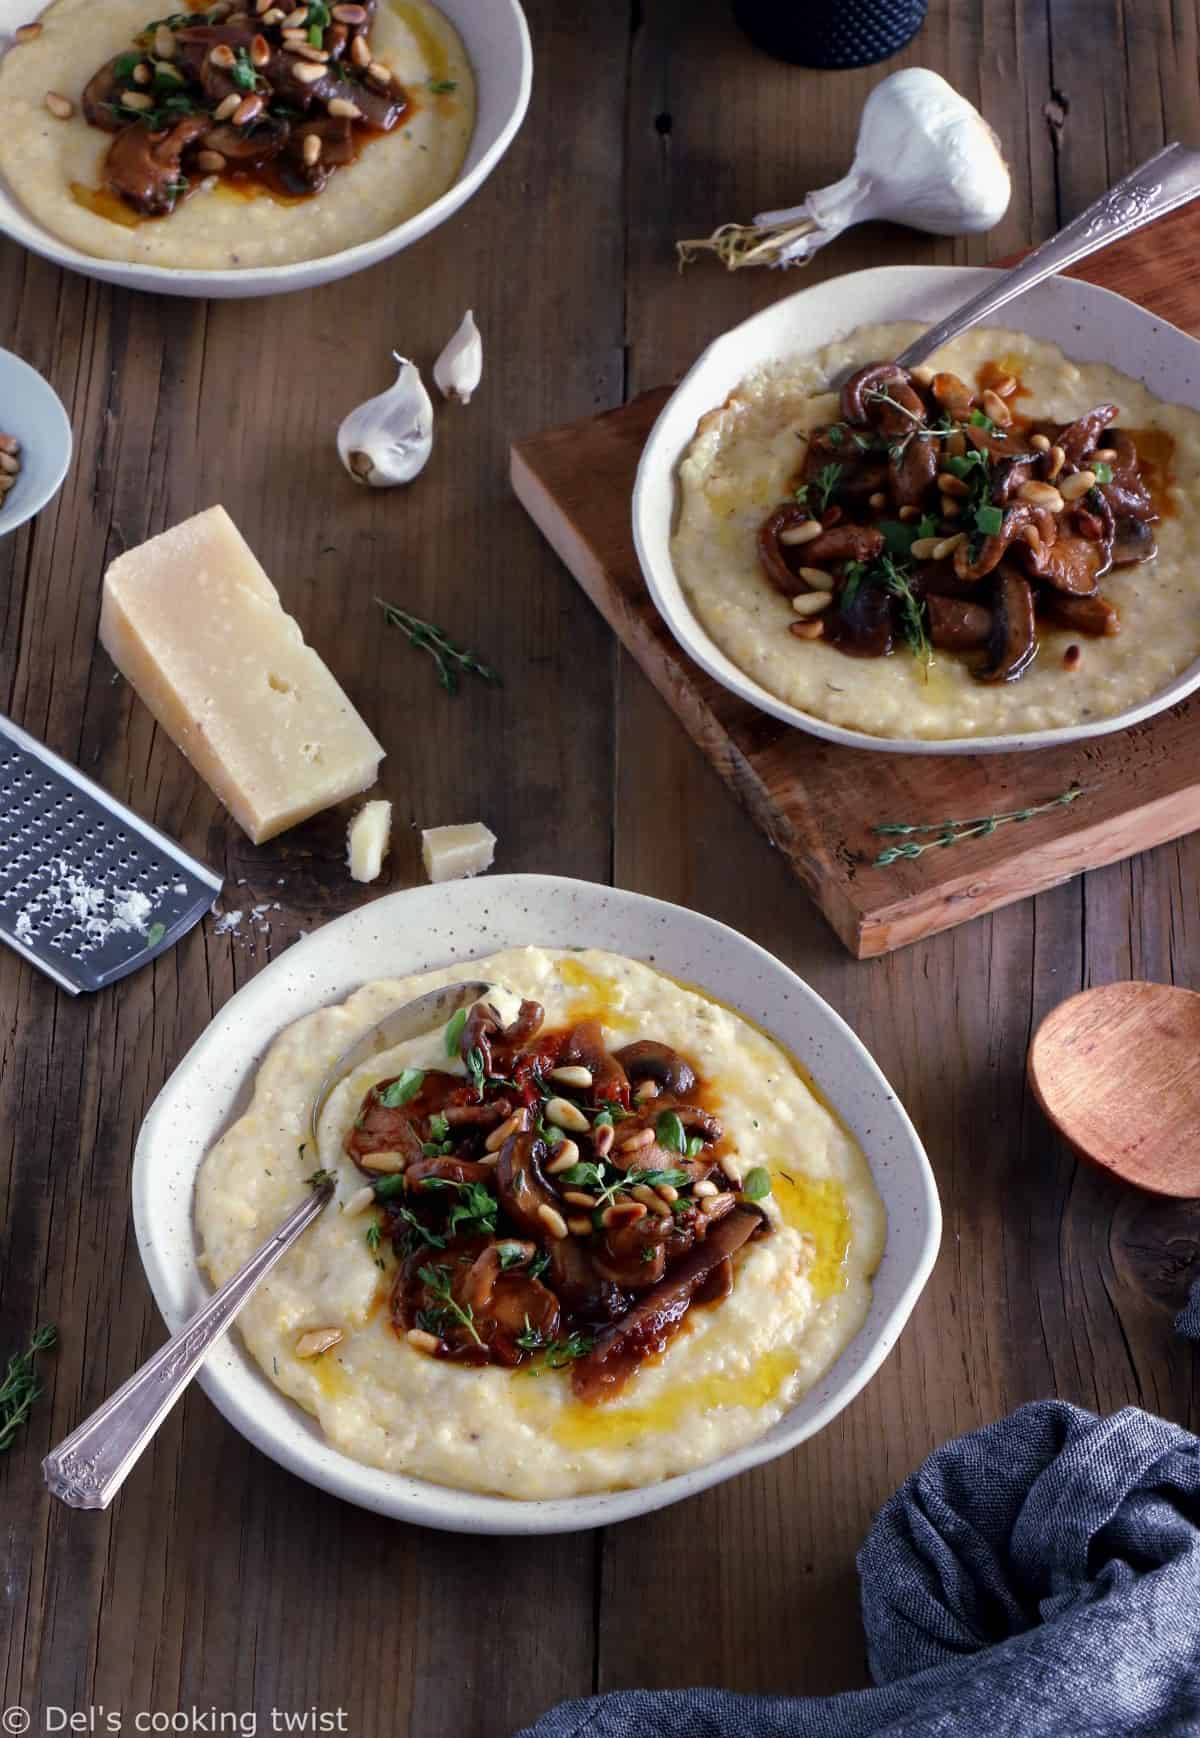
{"type": "Point", "coordinates": [449, 657]}
{"type": "Point", "coordinates": [947, 833]}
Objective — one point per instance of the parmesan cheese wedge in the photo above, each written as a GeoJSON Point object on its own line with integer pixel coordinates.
{"type": "Point", "coordinates": [368, 839]}
{"type": "Point", "coordinates": [193, 623]}
{"type": "Point", "coordinates": [452, 853]}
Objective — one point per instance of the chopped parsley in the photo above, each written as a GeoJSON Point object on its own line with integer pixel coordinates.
{"type": "Point", "coordinates": [668, 1132]}
{"type": "Point", "coordinates": [386, 1187]}
{"type": "Point", "coordinates": [828, 478]}
{"type": "Point", "coordinates": [1102, 473]}
{"type": "Point", "coordinates": [416, 1233]}
{"type": "Point", "coordinates": [404, 1087]}
{"type": "Point", "coordinates": [988, 519]}
{"type": "Point", "coordinates": [439, 1127]}
{"type": "Point", "coordinates": [475, 1068]}
{"type": "Point", "coordinates": [757, 1183]}
{"type": "Point", "coordinates": [454, 1031]}
{"type": "Point", "coordinates": [441, 86]}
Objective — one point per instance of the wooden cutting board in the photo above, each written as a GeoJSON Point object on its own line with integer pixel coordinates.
{"type": "Point", "coordinates": [819, 804]}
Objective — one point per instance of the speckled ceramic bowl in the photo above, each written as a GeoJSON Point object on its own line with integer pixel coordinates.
{"type": "Point", "coordinates": [429, 927]}
{"type": "Point", "coordinates": [31, 410]}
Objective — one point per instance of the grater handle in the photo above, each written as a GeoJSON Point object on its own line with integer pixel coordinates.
{"type": "Point", "coordinates": [89, 1467]}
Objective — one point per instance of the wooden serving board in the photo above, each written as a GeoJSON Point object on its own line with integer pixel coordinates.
{"type": "Point", "coordinates": [819, 803]}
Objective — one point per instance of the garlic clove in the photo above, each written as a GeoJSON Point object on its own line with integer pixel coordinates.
{"type": "Point", "coordinates": [459, 368]}
{"type": "Point", "coordinates": [388, 439]}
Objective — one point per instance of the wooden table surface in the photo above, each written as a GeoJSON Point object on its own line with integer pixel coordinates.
{"type": "Point", "coordinates": [217, 1580]}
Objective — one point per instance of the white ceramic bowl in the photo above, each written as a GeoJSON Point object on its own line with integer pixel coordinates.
{"type": "Point", "coordinates": [461, 920]}
{"type": "Point", "coordinates": [31, 410]}
{"type": "Point", "coordinates": [1090, 325]}
{"type": "Point", "coordinates": [496, 37]}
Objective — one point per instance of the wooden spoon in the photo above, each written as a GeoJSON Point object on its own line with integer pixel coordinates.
{"type": "Point", "coordinates": [1117, 1071]}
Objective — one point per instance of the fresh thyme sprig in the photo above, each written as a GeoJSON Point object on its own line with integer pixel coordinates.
{"type": "Point", "coordinates": [449, 657]}
{"type": "Point", "coordinates": [20, 1387]}
{"type": "Point", "coordinates": [954, 832]}
{"type": "Point", "coordinates": [438, 1281]}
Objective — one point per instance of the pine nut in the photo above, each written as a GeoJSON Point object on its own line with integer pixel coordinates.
{"type": "Point", "coordinates": [563, 1114]}
{"type": "Point", "coordinates": [516, 1123]}
{"type": "Point", "coordinates": [349, 14]}
{"type": "Point", "coordinates": [9, 464]}
{"type": "Point", "coordinates": [995, 407]}
{"type": "Point", "coordinates": [7, 483]}
{"type": "Point", "coordinates": [306, 51]}
{"type": "Point", "coordinates": [668, 1192]}
{"type": "Point", "coordinates": [297, 19]}
{"type": "Point", "coordinates": [602, 1139]}
{"type": "Point", "coordinates": [1072, 658]}
{"type": "Point", "coordinates": [704, 1188]}
{"type": "Point", "coordinates": [948, 545]}
{"type": "Point", "coordinates": [389, 1162]}
{"type": "Point", "coordinates": [423, 1342]}
{"type": "Point", "coordinates": [359, 1201]}
{"type": "Point", "coordinates": [810, 603]}
{"type": "Point", "coordinates": [1104, 455]}
{"type": "Point", "coordinates": [360, 51]}
{"type": "Point", "coordinates": [164, 43]}
{"type": "Point", "coordinates": [308, 71]}
{"type": "Point", "coordinates": [579, 1226]}
{"type": "Point", "coordinates": [553, 1220]}
{"type": "Point", "coordinates": [27, 32]}
{"type": "Point", "coordinates": [272, 15]}
{"type": "Point", "coordinates": [249, 109]}
{"type": "Point", "coordinates": [344, 109]}
{"type": "Point", "coordinates": [311, 148]}
{"type": "Point", "coordinates": [647, 1090]}
{"type": "Point", "coordinates": [731, 1169]}
{"type": "Point", "coordinates": [135, 100]}
{"type": "Point", "coordinates": [223, 56]}
{"type": "Point", "coordinates": [1041, 495]}
{"type": "Point", "coordinates": [379, 75]}
{"type": "Point", "coordinates": [1071, 488]}
{"type": "Point", "coordinates": [949, 484]}
{"type": "Point", "coordinates": [1040, 443]}
{"type": "Point", "coordinates": [61, 107]}
{"type": "Point", "coordinates": [318, 1340]}
{"type": "Point", "coordinates": [712, 1203]}
{"type": "Point", "coordinates": [1057, 460]}
{"type": "Point", "coordinates": [802, 533]}
{"type": "Point", "coordinates": [923, 548]}
{"type": "Point", "coordinates": [260, 51]}
{"type": "Point", "coordinates": [951, 509]}
{"type": "Point", "coordinates": [1031, 535]}
{"type": "Point", "coordinates": [577, 1198]}
{"type": "Point", "coordinates": [211, 162]}
{"type": "Point", "coordinates": [908, 514]}
{"type": "Point", "coordinates": [622, 1213]}
{"type": "Point", "coordinates": [9, 444]}
{"type": "Point", "coordinates": [922, 375]}
{"type": "Point", "coordinates": [642, 1137]}
{"type": "Point", "coordinates": [565, 1154]}
{"type": "Point", "coordinates": [811, 629]}
{"type": "Point", "coordinates": [261, 6]}
{"type": "Point", "coordinates": [572, 1076]}
{"type": "Point", "coordinates": [644, 1193]}
{"type": "Point", "coordinates": [226, 106]}
{"type": "Point", "coordinates": [817, 578]}
{"type": "Point", "coordinates": [1005, 385]}
{"type": "Point", "coordinates": [292, 38]}
{"type": "Point", "coordinates": [141, 73]}
{"type": "Point", "coordinates": [878, 500]}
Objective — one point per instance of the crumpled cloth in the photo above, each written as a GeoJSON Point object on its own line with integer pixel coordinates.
{"type": "Point", "coordinates": [1187, 1322]}
{"type": "Point", "coordinates": [1039, 1578]}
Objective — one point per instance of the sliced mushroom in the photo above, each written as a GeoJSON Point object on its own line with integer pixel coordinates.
{"type": "Point", "coordinates": [521, 1184]}
{"type": "Point", "coordinates": [506, 1303]}
{"type": "Point", "coordinates": [777, 558]}
{"type": "Point", "coordinates": [482, 1030]}
{"type": "Point", "coordinates": [861, 623]}
{"type": "Point", "coordinates": [145, 169]}
{"type": "Point", "coordinates": [585, 1047]}
{"type": "Point", "coordinates": [248, 147]}
{"type": "Point", "coordinates": [913, 474]}
{"type": "Point", "coordinates": [898, 413]}
{"type": "Point", "coordinates": [652, 1322]}
{"type": "Point", "coordinates": [649, 1060]}
{"type": "Point", "coordinates": [101, 94]}
{"type": "Point", "coordinates": [843, 543]}
{"type": "Point", "coordinates": [1079, 437]}
{"type": "Point", "coordinates": [1133, 541]}
{"type": "Point", "coordinates": [1071, 564]}
{"type": "Point", "coordinates": [1080, 615]}
{"type": "Point", "coordinates": [954, 395]}
{"type": "Point", "coordinates": [633, 1255]}
{"type": "Point", "coordinates": [1126, 493]}
{"type": "Point", "coordinates": [1013, 643]}
{"type": "Point", "coordinates": [575, 1281]}
{"type": "Point", "coordinates": [446, 1169]}
{"type": "Point", "coordinates": [956, 625]}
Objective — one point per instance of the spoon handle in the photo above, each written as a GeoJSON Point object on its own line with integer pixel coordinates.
{"type": "Point", "coordinates": [89, 1467]}
{"type": "Point", "coordinates": [1166, 181]}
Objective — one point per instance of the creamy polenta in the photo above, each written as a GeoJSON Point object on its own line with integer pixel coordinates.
{"type": "Point", "coordinates": [743, 459]}
{"type": "Point", "coordinates": [801, 1292]}
{"type": "Point", "coordinates": [55, 166]}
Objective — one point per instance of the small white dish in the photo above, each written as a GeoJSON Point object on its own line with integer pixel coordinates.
{"type": "Point", "coordinates": [496, 38]}
{"type": "Point", "coordinates": [31, 410]}
{"type": "Point", "coordinates": [1088, 323]}
{"type": "Point", "coordinates": [460, 920]}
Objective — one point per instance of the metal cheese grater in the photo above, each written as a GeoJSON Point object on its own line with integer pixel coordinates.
{"type": "Point", "coordinates": [88, 892]}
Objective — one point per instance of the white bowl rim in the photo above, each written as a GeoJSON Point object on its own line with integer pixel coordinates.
{"type": "Point", "coordinates": [40, 388]}
{"type": "Point", "coordinates": [305, 1452]}
{"type": "Point", "coordinates": [298, 274]}
{"type": "Point", "coordinates": [694, 639]}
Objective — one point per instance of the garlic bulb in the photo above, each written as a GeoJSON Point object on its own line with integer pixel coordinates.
{"type": "Point", "coordinates": [924, 158]}
{"type": "Point", "coordinates": [459, 368]}
{"type": "Point", "coordinates": [388, 439]}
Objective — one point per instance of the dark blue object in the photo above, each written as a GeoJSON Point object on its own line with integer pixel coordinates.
{"type": "Point", "coordinates": [1039, 1578]}
{"type": "Point", "coordinates": [831, 33]}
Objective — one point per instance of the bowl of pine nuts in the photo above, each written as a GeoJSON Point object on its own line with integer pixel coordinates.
{"type": "Point", "coordinates": [35, 442]}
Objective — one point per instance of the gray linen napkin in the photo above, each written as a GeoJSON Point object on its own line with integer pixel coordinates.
{"type": "Point", "coordinates": [1039, 1578]}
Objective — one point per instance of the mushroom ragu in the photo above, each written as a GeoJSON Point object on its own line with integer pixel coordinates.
{"type": "Point", "coordinates": [281, 96]}
{"type": "Point", "coordinates": [935, 516]}
{"type": "Point", "coordinates": [563, 1204]}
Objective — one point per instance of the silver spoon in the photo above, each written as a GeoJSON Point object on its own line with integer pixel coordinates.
{"type": "Point", "coordinates": [1168, 180]}
{"type": "Point", "coordinates": [88, 1468]}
